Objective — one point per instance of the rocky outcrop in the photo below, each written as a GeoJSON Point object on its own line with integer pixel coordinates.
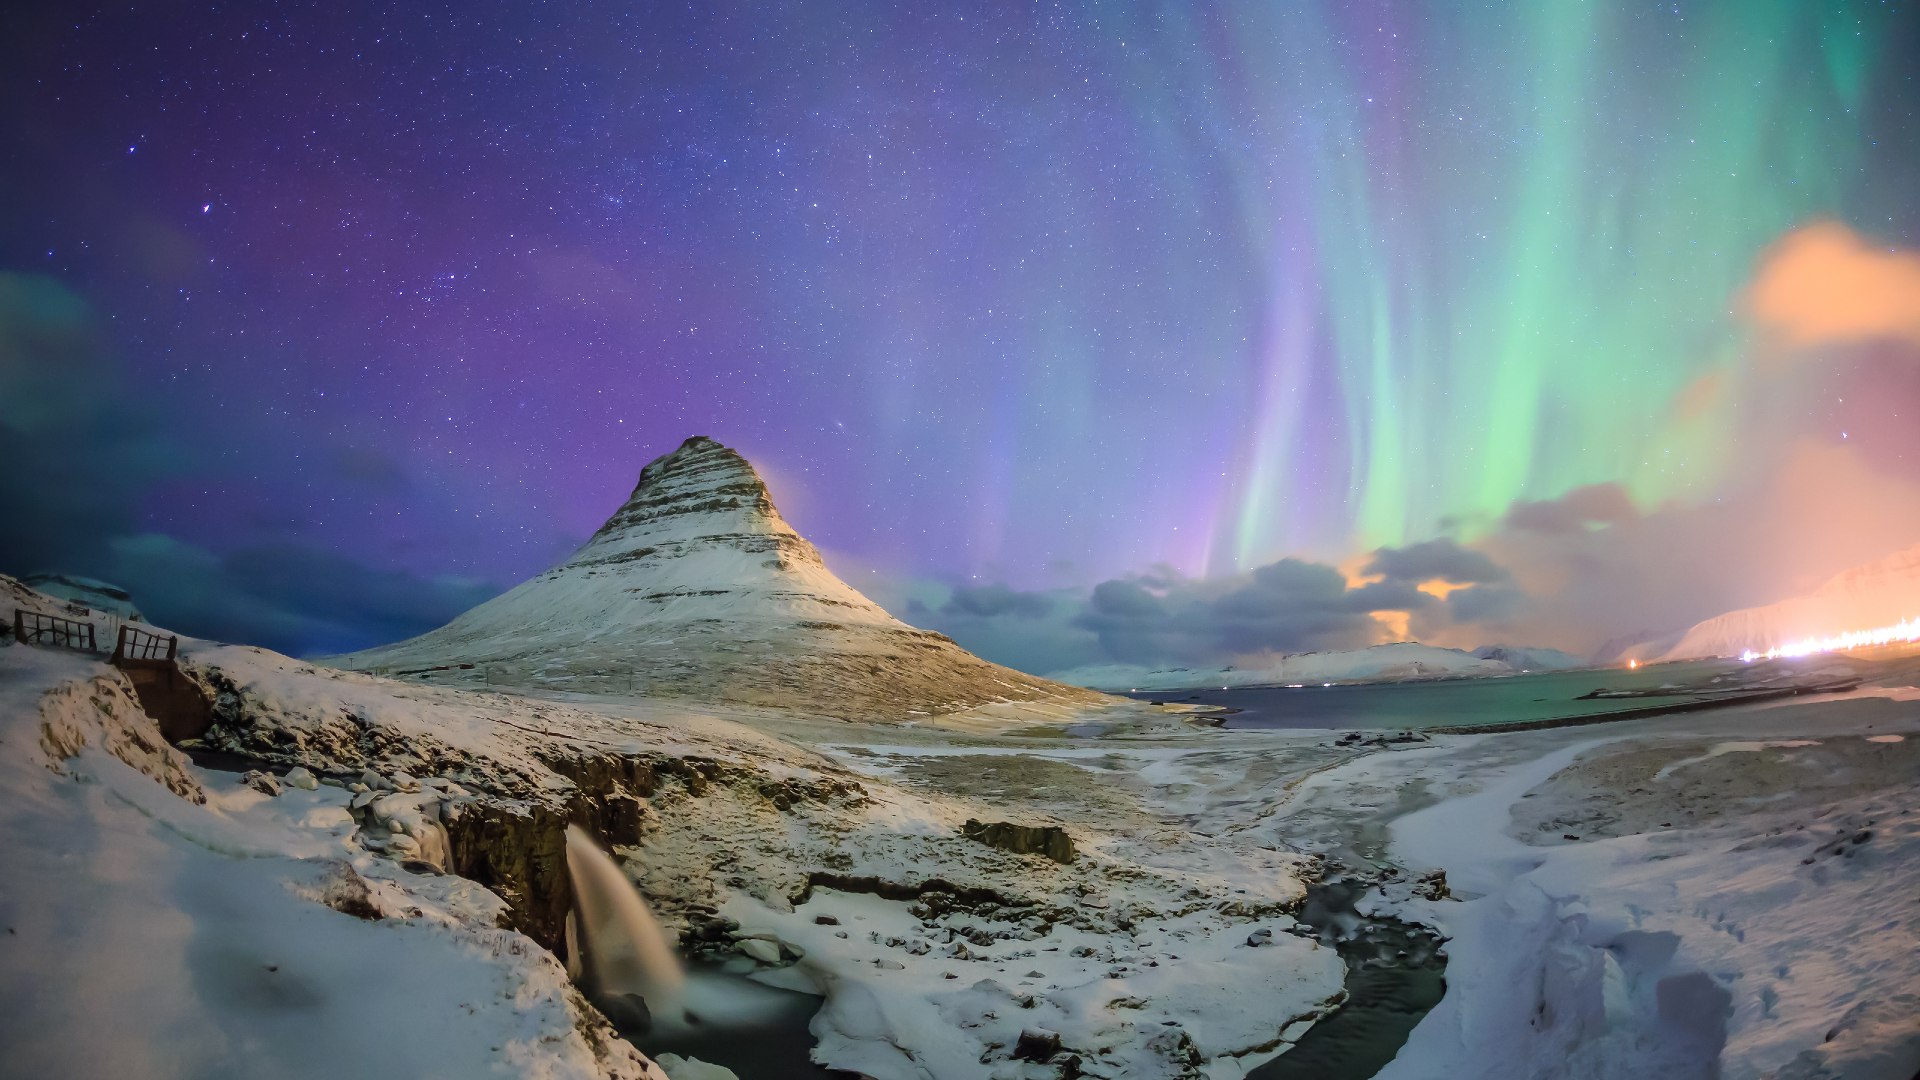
{"type": "Point", "coordinates": [1049, 840]}
{"type": "Point", "coordinates": [102, 712]}
{"type": "Point", "coordinates": [696, 587]}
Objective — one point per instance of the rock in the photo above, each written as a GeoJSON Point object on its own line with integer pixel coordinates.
{"type": "Point", "coordinates": [439, 782]}
{"type": "Point", "coordinates": [363, 799]}
{"type": "Point", "coordinates": [686, 1068]}
{"type": "Point", "coordinates": [404, 782]}
{"type": "Point", "coordinates": [346, 891]}
{"type": "Point", "coordinates": [374, 781]}
{"type": "Point", "coordinates": [1262, 936]}
{"type": "Point", "coordinates": [263, 782]}
{"type": "Point", "coordinates": [761, 949]}
{"type": "Point", "coordinates": [299, 777]}
{"type": "Point", "coordinates": [1036, 1044]}
{"type": "Point", "coordinates": [1432, 885]}
{"type": "Point", "coordinates": [1049, 840]}
{"type": "Point", "coordinates": [825, 920]}
{"type": "Point", "coordinates": [885, 964]}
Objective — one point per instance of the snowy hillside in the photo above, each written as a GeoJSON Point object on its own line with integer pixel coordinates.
{"type": "Point", "coordinates": [1378, 663]}
{"type": "Point", "coordinates": [1877, 594]}
{"type": "Point", "coordinates": [696, 587]}
{"type": "Point", "coordinates": [89, 593]}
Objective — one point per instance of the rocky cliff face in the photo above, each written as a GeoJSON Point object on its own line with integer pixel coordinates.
{"type": "Point", "coordinates": [697, 587]}
{"type": "Point", "coordinates": [1876, 594]}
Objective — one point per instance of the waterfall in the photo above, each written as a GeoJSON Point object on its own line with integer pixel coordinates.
{"type": "Point", "coordinates": [625, 959]}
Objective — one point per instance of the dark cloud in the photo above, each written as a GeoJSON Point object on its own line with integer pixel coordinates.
{"type": "Point", "coordinates": [1482, 603]}
{"type": "Point", "coordinates": [1443, 559]}
{"type": "Point", "coordinates": [1287, 606]}
{"type": "Point", "coordinates": [81, 453]}
{"type": "Point", "coordinates": [75, 451]}
{"type": "Point", "coordinates": [292, 599]}
{"type": "Point", "coordinates": [992, 600]}
{"type": "Point", "coordinates": [1594, 504]}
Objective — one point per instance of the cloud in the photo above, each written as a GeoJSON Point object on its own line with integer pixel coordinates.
{"type": "Point", "coordinates": [290, 598]}
{"type": "Point", "coordinates": [77, 450]}
{"type": "Point", "coordinates": [1593, 504]}
{"type": "Point", "coordinates": [1826, 285]}
{"type": "Point", "coordinates": [1161, 618]}
{"type": "Point", "coordinates": [1815, 510]}
{"type": "Point", "coordinates": [82, 452]}
{"type": "Point", "coordinates": [991, 600]}
{"type": "Point", "coordinates": [1443, 559]}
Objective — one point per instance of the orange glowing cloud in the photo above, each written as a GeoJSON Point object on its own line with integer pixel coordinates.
{"type": "Point", "coordinates": [1825, 284]}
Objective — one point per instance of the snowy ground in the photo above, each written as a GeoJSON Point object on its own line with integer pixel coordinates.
{"type": "Point", "coordinates": [1719, 894]}
{"type": "Point", "coordinates": [154, 935]}
{"type": "Point", "coordinates": [1735, 896]}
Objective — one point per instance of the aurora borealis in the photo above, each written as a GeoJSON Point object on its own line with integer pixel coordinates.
{"type": "Point", "coordinates": [1033, 296]}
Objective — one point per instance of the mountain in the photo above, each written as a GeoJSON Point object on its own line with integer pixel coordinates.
{"type": "Point", "coordinates": [697, 588]}
{"type": "Point", "coordinates": [87, 592]}
{"type": "Point", "coordinates": [1524, 658]}
{"type": "Point", "coordinates": [1866, 597]}
{"type": "Point", "coordinates": [1399, 661]}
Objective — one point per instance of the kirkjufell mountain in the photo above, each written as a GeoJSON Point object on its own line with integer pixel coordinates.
{"type": "Point", "coordinates": [697, 588]}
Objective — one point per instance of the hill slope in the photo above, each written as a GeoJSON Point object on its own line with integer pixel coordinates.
{"type": "Point", "coordinates": [1876, 594]}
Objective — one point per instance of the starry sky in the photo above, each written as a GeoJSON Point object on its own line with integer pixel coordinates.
{"type": "Point", "coordinates": [321, 322]}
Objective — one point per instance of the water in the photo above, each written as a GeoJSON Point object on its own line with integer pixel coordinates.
{"type": "Point", "coordinates": [1450, 702]}
{"type": "Point", "coordinates": [758, 1031]}
{"type": "Point", "coordinates": [713, 1012]}
{"type": "Point", "coordinates": [623, 952]}
{"type": "Point", "coordinates": [1396, 972]}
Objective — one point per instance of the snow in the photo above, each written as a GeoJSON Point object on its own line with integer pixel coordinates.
{"type": "Point", "coordinates": [91, 593]}
{"type": "Point", "coordinates": [1724, 894]}
{"type": "Point", "coordinates": [1112, 997]}
{"type": "Point", "coordinates": [697, 588]}
{"type": "Point", "coordinates": [147, 935]}
{"type": "Point", "coordinates": [1762, 943]}
{"type": "Point", "coordinates": [1875, 594]}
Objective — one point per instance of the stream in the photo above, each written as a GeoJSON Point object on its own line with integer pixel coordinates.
{"type": "Point", "coordinates": [1396, 972]}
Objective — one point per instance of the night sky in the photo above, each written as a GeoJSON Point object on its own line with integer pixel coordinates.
{"type": "Point", "coordinates": [321, 322]}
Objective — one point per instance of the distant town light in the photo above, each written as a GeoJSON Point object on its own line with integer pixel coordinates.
{"type": "Point", "coordinates": [1906, 630]}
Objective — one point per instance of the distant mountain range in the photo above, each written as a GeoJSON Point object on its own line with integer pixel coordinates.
{"type": "Point", "coordinates": [1399, 661]}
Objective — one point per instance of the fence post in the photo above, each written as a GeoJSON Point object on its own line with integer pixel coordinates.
{"type": "Point", "coordinates": [19, 627]}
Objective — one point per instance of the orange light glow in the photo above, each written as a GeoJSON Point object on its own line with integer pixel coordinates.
{"type": "Point", "coordinates": [1906, 630]}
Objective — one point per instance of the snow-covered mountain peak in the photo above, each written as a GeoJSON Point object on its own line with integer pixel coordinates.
{"type": "Point", "coordinates": [701, 487]}
{"type": "Point", "coordinates": [697, 587]}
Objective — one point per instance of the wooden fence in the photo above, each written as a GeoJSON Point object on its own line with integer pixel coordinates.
{"type": "Point", "coordinates": [137, 647]}
{"type": "Point", "coordinates": [34, 628]}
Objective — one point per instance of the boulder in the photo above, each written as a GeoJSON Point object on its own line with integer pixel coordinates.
{"type": "Point", "coordinates": [761, 949]}
{"type": "Point", "coordinates": [263, 782]}
{"type": "Point", "coordinates": [1049, 840]}
{"type": "Point", "coordinates": [1036, 1044]}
